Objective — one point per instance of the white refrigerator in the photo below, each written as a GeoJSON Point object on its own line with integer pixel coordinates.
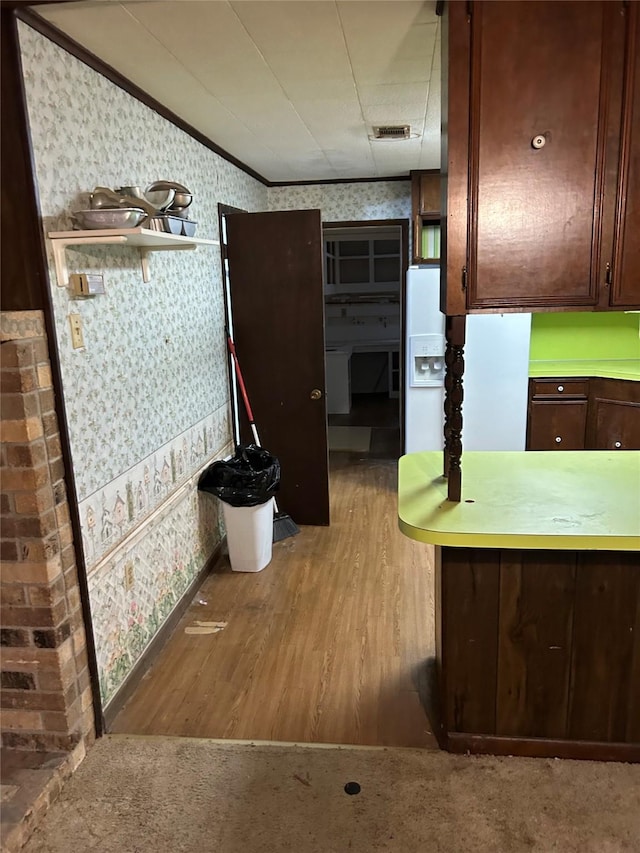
{"type": "Point", "coordinates": [495, 381]}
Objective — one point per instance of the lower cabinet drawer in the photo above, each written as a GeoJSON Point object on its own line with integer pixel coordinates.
{"type": "Point", "coordinates": [559, 387]}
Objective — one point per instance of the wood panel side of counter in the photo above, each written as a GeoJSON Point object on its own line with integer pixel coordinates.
{"type": "Point", "coordinates": [605, 632]}
{"type": "Point", "coordinates": [535, 630]}
{"type": "Point", "coordinates": [539, 648]}
{"type": "Point", "coordinates": [467, 602]}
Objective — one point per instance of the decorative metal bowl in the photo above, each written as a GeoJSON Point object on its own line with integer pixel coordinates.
{"type": "Point", "coordinates": [160, 199]}
{"type": "Point", "coordinates": [120, 217]}
{"type": "Point", "coordinates": [183, 196]}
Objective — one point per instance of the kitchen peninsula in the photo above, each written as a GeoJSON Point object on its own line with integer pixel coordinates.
{"type": "Point", "coordinates": [537, 591]}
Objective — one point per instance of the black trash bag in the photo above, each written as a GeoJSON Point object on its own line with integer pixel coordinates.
{"type": "Point", "coordinates": [249, 478]}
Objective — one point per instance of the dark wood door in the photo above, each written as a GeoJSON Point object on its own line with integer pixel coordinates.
{"type": "Point", "coordinates": [541, 84]}
{"type": "Point", "coordinates": [275, 275]}
{"type": "Point", "coordinates": [614, 415]}
{"type": "Point", "coordinates": [557, 425]}
{"type": "Point", "coordinates": [625, 292]}
{"type": "Point", "coordinates": [617, 425]}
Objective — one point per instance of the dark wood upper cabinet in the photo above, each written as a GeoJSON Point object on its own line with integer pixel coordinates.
{"type": "Point", "coordinates": [540, 120]}
{"type": "Point", "coordinates": [425, 210]}
{"type": "Point", "coordinates": [625, 291]}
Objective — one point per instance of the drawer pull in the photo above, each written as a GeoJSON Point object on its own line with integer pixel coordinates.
{"type": "Point", "coordinates": [558, 439]}
{"type": "Point", "coordinates": [560, 387]}
{"type": "Point", "coordinates": [618, 444]}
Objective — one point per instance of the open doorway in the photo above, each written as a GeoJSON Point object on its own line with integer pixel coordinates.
{"type": "Point", "coordinates": [365, 265]}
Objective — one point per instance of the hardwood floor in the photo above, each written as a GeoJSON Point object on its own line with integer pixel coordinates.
{"type": "Point", "coordinates": [382, 414]}
{"type": "Point", "coordinates": [331, 643]}
{"type": "Point", "coordinates": [372, 410]}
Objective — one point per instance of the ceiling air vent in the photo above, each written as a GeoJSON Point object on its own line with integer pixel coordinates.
{"type": "Point", "coordinates": [392, 131]}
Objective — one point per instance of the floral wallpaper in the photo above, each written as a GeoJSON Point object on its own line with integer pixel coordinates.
{"type": "Point", "coordinates": [119, 507]}
{"type": "Point", "coordinates": [347, 202]}
{"type": "Point", "coordinates": [146, 399]}
{"type": "Point", "coordinates": [136, 588]}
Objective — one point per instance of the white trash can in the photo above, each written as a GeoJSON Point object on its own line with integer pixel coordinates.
{"type": "Point", "coordinates": [249, 535]}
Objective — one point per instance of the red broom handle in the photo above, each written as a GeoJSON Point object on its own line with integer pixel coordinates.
{"type": "Point", "coordinates": [243, 389]}
{"type": "Point", "coordinates": [245, 397]}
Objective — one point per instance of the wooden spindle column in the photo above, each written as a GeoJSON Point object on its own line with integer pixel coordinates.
{"type": "Point", "coordinates": [454, 363]}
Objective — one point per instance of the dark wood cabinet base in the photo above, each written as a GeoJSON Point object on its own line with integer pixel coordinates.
{"type": "Point", "coordinates": [462, 743]}
{"type": "Point", "coordinates": [538, 652]}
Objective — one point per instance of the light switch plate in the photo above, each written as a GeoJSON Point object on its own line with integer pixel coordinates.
{"type": "Point", "coordinates": [129, 578]}
{"type": "Point", "coordinates": [77, 338]}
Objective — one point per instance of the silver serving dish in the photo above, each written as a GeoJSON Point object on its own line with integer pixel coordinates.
{"type": "Point", "coordinates": [102, 198]}
{"type": "Point", "coordinates": [136, 192]}
{"type": "Point", "coordinates": [120, 217]}
{"type": "Point", "coordinates": [160, 199]}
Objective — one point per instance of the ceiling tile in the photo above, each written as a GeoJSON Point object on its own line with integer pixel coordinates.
{"type": "Point", "coordinates": [395, 115]}
{"type": "Point", "coordinates": [191, 31]}
{"type": "Point", "coordinates": [393, 93]}
{"type": "Point", "coordinates": [397, 70]}
{"type": "Point", "coordinates": [383, 39]}
{"type": "Point", "coordinates": [289, 87]}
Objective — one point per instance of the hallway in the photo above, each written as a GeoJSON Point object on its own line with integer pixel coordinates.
{"type": "Point", "coordinates": [329, 644]}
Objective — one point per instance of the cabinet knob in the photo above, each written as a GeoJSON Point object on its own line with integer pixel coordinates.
{"type": "Point", "coordinates": [558, 439]}
{"type": "Point", "coordinates": [617, 444]}
{"type": "Point", "coordinates": [538, 141]}
{"type": "Point", "coordinates": [316, 394]}
{"type": "Point", "coordinates": [560, 387]}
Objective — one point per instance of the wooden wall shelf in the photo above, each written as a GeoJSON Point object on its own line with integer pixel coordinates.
{"type": "Point", "coordinates": [142, 238]}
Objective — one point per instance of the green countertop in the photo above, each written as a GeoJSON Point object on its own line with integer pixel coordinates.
{"type": "Point", "coordinates": [574, 500]}
{"type": "Point", "coordinates": [607, 369]}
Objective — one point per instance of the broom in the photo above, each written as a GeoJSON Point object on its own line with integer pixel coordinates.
{"type": "Point", "coordinates": [283, 525]}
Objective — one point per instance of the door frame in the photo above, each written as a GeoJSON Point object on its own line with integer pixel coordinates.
{"type": "Point", "coordinates": [225, 210]}
{"type": "Point", "coordinates": [403, 224]}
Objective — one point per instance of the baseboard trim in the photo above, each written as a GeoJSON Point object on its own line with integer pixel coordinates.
{"type": "Point", "coordinates": [460, 742]}
{"type": "Point", "coordinates": [150, 654]}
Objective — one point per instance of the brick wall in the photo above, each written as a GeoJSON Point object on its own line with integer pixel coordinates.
{"type": "Point", "coordinates": [46, 690]}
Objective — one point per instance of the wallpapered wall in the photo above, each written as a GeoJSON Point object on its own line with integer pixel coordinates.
{"type": "Point", "coordinates": [146, 399]}
{"type": "Point", "coordinates": [347, 202]}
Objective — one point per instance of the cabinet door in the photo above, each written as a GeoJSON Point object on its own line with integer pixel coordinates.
{"type": "Point", "coordinates": [539, 124]}
{"type": "Point", "coordinates": [617, 425]}
{"type": "Point", "coordinates": [557, 425]}
{"type": "Point", "coordinates": [614, 415]}
{"type": "Point", "coordinates": [425, 208]}
{"type": "Point", "coordinates": [625, 291]}
{"type": "Point", "coordinates": [429, 192]}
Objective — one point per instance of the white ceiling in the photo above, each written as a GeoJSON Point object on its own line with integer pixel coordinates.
{"type": "Point", "coordinates": [292, 88]}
